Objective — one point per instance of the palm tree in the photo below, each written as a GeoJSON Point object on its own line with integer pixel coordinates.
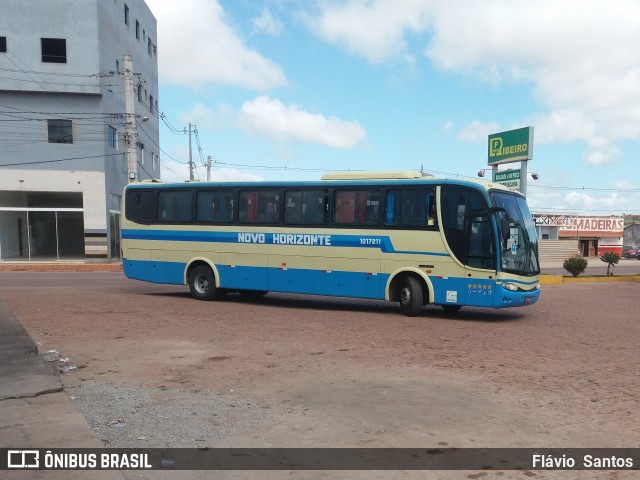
{"type": "Point", "coordinates": [611, 259]}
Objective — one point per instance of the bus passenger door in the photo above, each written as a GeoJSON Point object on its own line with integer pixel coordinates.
{"type": "Point", "coordinates": [481, 261]}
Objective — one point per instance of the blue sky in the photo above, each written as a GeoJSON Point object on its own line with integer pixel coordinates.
{"type": "Point", "coordinates": [283, 90]}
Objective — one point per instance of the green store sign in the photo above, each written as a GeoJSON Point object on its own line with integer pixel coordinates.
{"type": "Point", "coordinates": [511, 146]}
{"type": "Point", "coordinates": [508, 178]}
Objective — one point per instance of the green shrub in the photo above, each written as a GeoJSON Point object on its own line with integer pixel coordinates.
{"type": "Point", "coordinates": [610, 259]}
{"type": "Point", "coordinates": [575, 265]}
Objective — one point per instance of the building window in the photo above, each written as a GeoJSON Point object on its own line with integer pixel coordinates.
{"type": "Point", "coordinates": [151, 103]}
{"type": "Point", "coordinates": [113, 137]}
{"type": "Point", "coordinates": [149, 45]}
{"type": "Point", "coordinates": [126, 14]}
{"type": "Point", "coordinates": [54, 50]}
{"type": "Point", "coordinates": [60, 131]}
{"type": "Point", "coordinates": [140, 93]}
{"type": "Point", "coordinates": [141, 153]}
{"type": "Point", "coordinates": [138, 30]}
{"type": "Point", "coordinates": [117, 66]}
{"type": "Point", "coordinates": [3, 44]}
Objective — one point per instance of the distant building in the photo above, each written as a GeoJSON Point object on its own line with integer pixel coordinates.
{"type": "Point", "coordinates": [632, 236]}
{"type": "Point", "coordinates": [62, 123]}
{"type": "Point", "coordinates": [562, 236]}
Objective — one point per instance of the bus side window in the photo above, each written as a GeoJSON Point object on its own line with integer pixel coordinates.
{"type": "Point", "coordinates": [248, 207]}
{"type": "Point", "coordinates": [259, 206]}
{"type": "Point", "coordinates": [432, 216]}
{"type": "Point", "coordinates": [410, 207]}
{"type": "Point", "coordinates": [306, 207]}
{"type": "Point", "coordinates": [215, 207]}
{"type": "Point", "coordinates": [345, 207]}
{"type": "Point", "coordinates": [141, 205]}
{"type": "Point", "coordinates": [175, 206]}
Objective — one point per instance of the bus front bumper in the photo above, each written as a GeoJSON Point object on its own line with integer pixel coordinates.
{"type": "Point", "coordinates": [506, 297]}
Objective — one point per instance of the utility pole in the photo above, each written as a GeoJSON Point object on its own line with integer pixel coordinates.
{"type": "Point", "coordinates": [130, 135]}
{"type": "Point", "coordinates": [190, 155]}
{"type": "Point", "coordinates": [209, 168]}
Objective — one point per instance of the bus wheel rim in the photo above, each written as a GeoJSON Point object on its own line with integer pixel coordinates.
{"type": "Point", "coordinates": [202, 284]}
{"type": "Point", "coordinates": [405, 296]}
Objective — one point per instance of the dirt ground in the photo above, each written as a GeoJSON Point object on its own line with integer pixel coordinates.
{"type": "Point", "coordinates": [299, 371]}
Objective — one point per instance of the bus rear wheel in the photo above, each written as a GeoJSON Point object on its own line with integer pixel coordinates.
{"type": "Point", "coordinates": [410, 296]}
{"type": "Point", "coordinates": [202, 283]}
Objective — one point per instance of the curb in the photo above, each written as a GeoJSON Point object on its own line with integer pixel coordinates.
{"type": "Point", "coordinates": [557, 279]}
{"type": "Point", "coordinates": [61, 267]}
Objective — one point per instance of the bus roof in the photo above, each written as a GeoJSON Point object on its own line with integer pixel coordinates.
{"type": "Point", "coordinates": [381, 175]}
{"type": "Point", "coordinates": [363, 178]}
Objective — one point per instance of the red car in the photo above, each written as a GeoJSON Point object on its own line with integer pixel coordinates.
{"type": "Point", "coordinates": [633, 253]}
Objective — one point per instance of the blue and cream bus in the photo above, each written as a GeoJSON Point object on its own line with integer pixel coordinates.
{"type": "Point", "coordinates": [399, 236]}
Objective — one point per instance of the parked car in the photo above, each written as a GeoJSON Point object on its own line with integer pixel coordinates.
{"type": "Point", "coordinates": [633, 253]}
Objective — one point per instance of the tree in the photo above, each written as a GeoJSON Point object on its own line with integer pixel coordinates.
{"type": "Point", "coordinates": [611, 259]}
{"type": "Point", "coordinates": [575, 265]}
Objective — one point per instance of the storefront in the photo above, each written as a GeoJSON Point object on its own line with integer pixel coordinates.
{"type": "Point", "coordinates": [592, 235]}
{"type": "Point", "coordinates": [41, 226]}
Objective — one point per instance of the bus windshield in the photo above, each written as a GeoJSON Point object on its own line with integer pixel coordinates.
{"type": "Point", "coordinates": [519, 241]}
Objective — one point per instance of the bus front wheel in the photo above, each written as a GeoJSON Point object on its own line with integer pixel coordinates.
{"type": "Point", "coordinates": [202, 283]}
{"type": "Point", "coordinates": [410, 296]}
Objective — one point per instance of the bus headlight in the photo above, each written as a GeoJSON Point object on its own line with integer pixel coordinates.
{"type": "Point", "coordinates": [511, 286]}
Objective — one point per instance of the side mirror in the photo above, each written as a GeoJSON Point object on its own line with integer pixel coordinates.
{"type": "Point", "coordinates": [505, 229]}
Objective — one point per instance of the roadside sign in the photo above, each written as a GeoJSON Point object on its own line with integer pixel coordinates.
{"type": "Point", "coordinates": [511, 146]}
{"type": "Point", "coordinates": [508, 178]}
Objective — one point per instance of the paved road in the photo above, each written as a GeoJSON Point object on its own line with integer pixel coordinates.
{"type": "Point", "coordinates": [314, 371]}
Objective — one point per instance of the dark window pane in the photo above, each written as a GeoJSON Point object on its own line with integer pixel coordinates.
{"type": "Point", "coordinates": [305, 207]}
{"type": "Point", "coordinates": [60, 131]}
{"type": "Point", "coordinates": [3, 44]}
{"type": "Point", "coordinates": [215, 207]}
{"type": "Point", "coordinates": [175, 206]}
{"type": "Point", "coordinates": [357, 207]}
{"type": "Point", "coordinates": [411, 207]}
{"type": "Point", "coordinates": [140, 206]}
{"type": "Point", "coordinates": [54, 50]}
{"type": "Point", "coordinates": [262, 206]}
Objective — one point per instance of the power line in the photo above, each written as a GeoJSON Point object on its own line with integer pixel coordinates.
{"type": "Point", "coordinates": [57, 160]}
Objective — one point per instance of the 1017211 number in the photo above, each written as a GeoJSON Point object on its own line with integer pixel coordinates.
{"type": "Point", "coordinates": [370, 241]}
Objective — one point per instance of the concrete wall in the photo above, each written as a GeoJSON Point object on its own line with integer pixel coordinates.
{"type": "Point", "coordinates": [87, 89]}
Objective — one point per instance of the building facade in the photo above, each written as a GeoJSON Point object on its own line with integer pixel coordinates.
{"type": "Point", "coordinates": [63, 124]}
{"type": "Point", "coordinates": [562, 236]}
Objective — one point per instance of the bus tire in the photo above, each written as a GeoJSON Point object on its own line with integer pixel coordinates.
{"type": "Point", "coordinates": [202, 283]}
{"type": "Point", "coordinates": [410, 296]}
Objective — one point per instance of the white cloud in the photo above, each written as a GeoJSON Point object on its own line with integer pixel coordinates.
{"type": "Point", "coordinates": [205, 118]}
{"type": "Point", "coordinates": [579, 57]}
{"type": "Point", "coordinates": [580, 200]}
{"type": "Point", "coordinates": [374, 29]}
{"type": "Point", "coordinates": [234, 175]}
{"type": "Point", "coordinates": [267, 23]}
{"type": "Point", "coordinates": [197, 46]}
{"type": "Point", "coordinates": [478, 132]}
{"type": "Point", "coordinates": [271, 118]}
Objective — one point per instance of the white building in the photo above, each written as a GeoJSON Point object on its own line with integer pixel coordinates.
{"type": "Point", "coordinates": [62, 123]}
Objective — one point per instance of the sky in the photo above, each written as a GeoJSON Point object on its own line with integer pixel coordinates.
{"type": "Point", "coordinates": [286, 90]}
